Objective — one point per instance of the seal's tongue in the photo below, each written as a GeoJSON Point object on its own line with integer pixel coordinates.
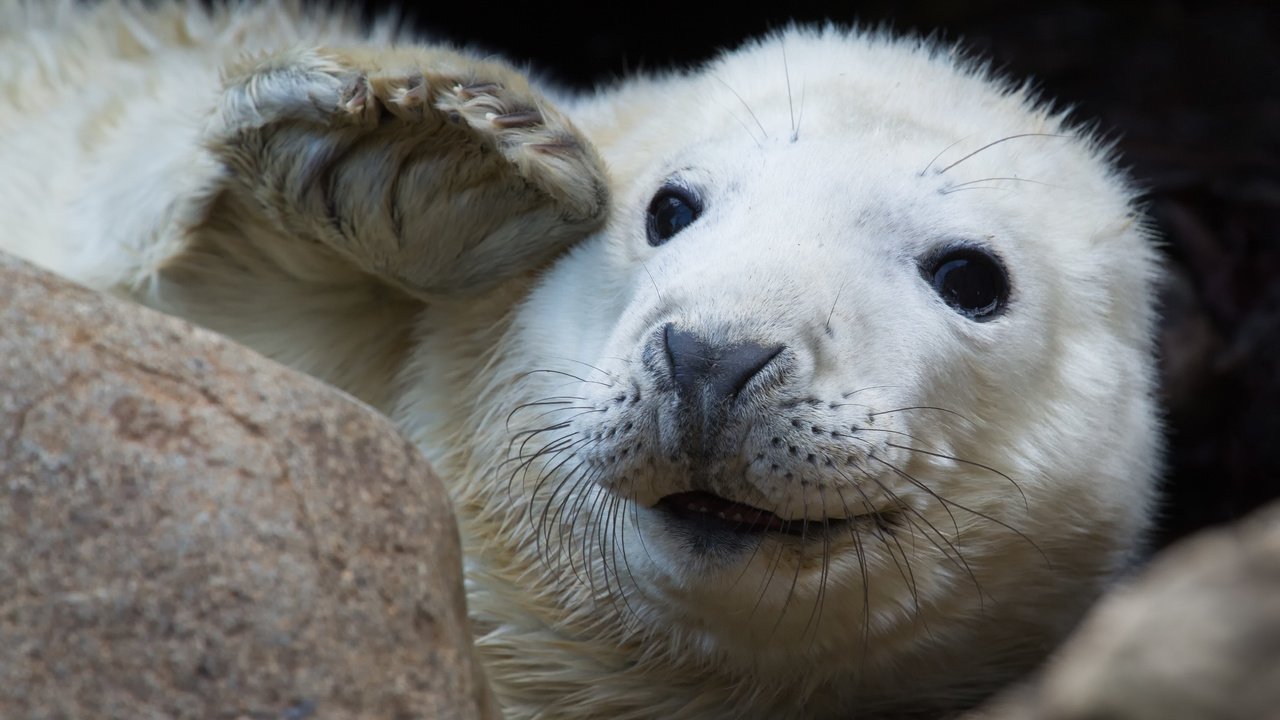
{"type": "Point", "coordinates": [745, 517]}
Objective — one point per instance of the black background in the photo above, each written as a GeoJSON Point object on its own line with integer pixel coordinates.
{"type": "Point", "coordinates": [1192, 91]}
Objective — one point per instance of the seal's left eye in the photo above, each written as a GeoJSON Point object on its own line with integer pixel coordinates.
{"type": "Point", "coordinates": [671, 210]}
{"type": "Point", "coordinates": [971, 280]}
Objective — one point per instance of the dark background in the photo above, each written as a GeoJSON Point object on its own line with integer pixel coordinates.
{"type": "Point", "coordinates": [1192, 92]}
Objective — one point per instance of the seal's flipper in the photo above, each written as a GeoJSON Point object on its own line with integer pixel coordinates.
{"type": "Point", "coordinates": [435, 172]}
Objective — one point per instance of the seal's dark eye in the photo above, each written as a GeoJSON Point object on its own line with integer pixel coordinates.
{"type": "Point", "coordinates": [971, 280]}
{"type": "Point", "coordinates": [671, 210]}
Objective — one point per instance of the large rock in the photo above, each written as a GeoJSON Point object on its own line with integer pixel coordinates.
{"type": "Point", "coordinates": [1196, 636]}
{"type": "Point", "coordinates": [190, 530]}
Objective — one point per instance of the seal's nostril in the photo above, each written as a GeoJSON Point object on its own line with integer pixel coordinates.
{"type": "Point", "coordinates": [713, 373]}
{"type": "Point", "coordinates": [667, 331]}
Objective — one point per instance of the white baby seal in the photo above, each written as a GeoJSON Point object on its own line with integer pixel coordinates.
{"type": "Point", "coordinates": [814, 382]}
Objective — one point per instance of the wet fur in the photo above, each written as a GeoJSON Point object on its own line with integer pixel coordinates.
{"type": "Point", "coordinates": [172, 156]}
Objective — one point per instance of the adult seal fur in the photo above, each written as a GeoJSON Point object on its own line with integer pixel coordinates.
{"type": "Point", "coordinates": [813, 382]}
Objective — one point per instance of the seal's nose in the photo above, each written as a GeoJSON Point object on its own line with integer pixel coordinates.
{"type": "Point", "coordinates": [710, 375]}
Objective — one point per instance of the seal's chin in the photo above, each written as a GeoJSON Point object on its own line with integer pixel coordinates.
{"type": "Point", "coordinates": [708, 514]}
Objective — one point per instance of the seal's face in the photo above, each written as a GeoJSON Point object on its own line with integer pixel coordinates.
{"type": "Point", "coordinates": [848, 387]}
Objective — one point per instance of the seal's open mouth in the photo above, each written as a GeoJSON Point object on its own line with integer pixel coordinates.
{"type": "Point", "coordinates": [712, 513]}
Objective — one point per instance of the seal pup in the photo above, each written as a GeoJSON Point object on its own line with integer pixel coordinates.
{"type": "Point", "coordinates": [813, 382]}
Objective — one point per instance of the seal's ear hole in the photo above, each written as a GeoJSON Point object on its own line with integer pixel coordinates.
{"type": "Point", "coordinates": [672, 209]}
{"type": "Point", "coordinates": [972, 280]}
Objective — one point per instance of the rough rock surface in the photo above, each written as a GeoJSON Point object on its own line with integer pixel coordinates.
{"type": "Point", "coordinates": [190, 530]}
{"type": "Point", "coordinates": [1196, 636]}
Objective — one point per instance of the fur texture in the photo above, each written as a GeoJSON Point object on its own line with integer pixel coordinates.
{"type": "Point", "coordinates": [426, 231]}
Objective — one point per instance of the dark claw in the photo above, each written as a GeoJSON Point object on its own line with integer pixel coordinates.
{"type": "Point", "coordinates": [562, 147]}
{"type": "Point", "coordinates": [518, 119]}
{"type": "Point", "coordinates": [355, 94]}
{"type": "Point", "coordinates": [466, 92]}
{"type": "Point", "coordinates": [561, 144]}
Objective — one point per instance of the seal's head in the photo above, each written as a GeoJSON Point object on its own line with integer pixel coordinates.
{"type": "Point", "coordinates": [851, 402]}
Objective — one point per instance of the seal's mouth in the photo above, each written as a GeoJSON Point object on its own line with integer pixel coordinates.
{"type": "Point", "coordinates": [707, 512]}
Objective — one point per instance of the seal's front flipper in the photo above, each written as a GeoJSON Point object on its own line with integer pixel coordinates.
{"type": "Point", "coordinates": [437, 173]}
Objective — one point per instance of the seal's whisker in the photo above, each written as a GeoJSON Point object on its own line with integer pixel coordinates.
{"type": "Point", "coordinates": [924, 407]}
{"type": "Point", "coordinates": [860, 550]}
{"type": "Point", "coordinates": [827, 326]}
{"type": "Point", "coordinates": [946, 506]}
{"type": "Point", "coordinates": [568, 529]}
{"type": "Point", "coordinates": [549, 450]}
{"type": "Point", "coordinates": [518, 457]}
{"type": "Point", "coordinates": [583, 512]}
{"type": "Point", "coordinates": [595, 528]}
{"type": "Point", "coordinates": [623, 504]}
{"type": "Point", "coordinates": [859, 547]}
{"type": "Point", "coordinates": [547, 506]}
{"type": "Point", "coordinates": [953, 458]}
{"type": "Point", "coordinates": [826, 557]}
{"type": "Point", "coordinates": [545, 413]}
{"type": "Point", "coordinates": [562, 372]}
{"type": "Point", "coordinates": [602, 371]}
{"type": "Point", "coordinates": [947, 456]}
{"type": "Point", "coordinates": [791, 108]}
{"type": "Point", "coordinates": [656, 291]}
{"type": "Point", "coordinates": [961, 186]}
{"type": "Point", "coordinates": [768, 579]}
{"type": "Point", "coordinates": [754, 551]}
{"type": "Point", "coordinates": [591, 541]}
{"type": "Point", "coordinates": [581, 493]}
{"type": "Point", "coordinates": [954, 555]}
{"type": "Point", "coordinates": [940, 154]}
{"type": "Point", "coordinates": [606, 546]}
{"type": "Point", "coordinates": [904, 567]}
{"type": "Point", "coordinates": [804, 85]}
{"type": "Point", "coordinates": [523, 468]}
{"type": "Point", "coordinates": [795, 577]}
{"type": "Point", "coordinates": [905, 571]}
{"type": "Point", "coordinates": [975, 187]}
{"type": "Point", "coordinates": [955, 525]}
{"type": "Point", "coordinates": [562, 400]}
{"type": "Point", "coordinates": [750, 112]}
{"type": "Point", "coordinates": [549, 470]}
{"type": "Point", "coordinates": [561, 519]}
{"type": "Point", "coordinates": [851, 393]}
{"type": "Point", "coordinates": [619, 546]}
{"type": "Point", "coordinates": [635, 512]}
{"type": "Point", "coordinates": [888, 431]}
{"type": "Point", "coordinates": [1007, 138]}
{"type": "Point", "coordinates": [607, 531]}
{"type": "Point", "coordinates": [529, 435]}
{"type": "Point", "coordinates": [547, 521]}
{"type": "Point", "coordinates": [823, 580]}
{"type": "Point", "coordinates": [551, 515]}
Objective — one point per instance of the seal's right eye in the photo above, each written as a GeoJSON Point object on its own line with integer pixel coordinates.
{"type": "Point", "coordinates": [672, 209]}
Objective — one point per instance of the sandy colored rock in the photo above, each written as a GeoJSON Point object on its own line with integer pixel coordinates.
{"type": "Point", "coordinates": [1196, 636]}
{"type": "Point", "coordinates": [190, 530]}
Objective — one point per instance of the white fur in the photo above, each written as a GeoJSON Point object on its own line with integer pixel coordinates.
{"type": "Point", "coordinates": [824, 182]}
